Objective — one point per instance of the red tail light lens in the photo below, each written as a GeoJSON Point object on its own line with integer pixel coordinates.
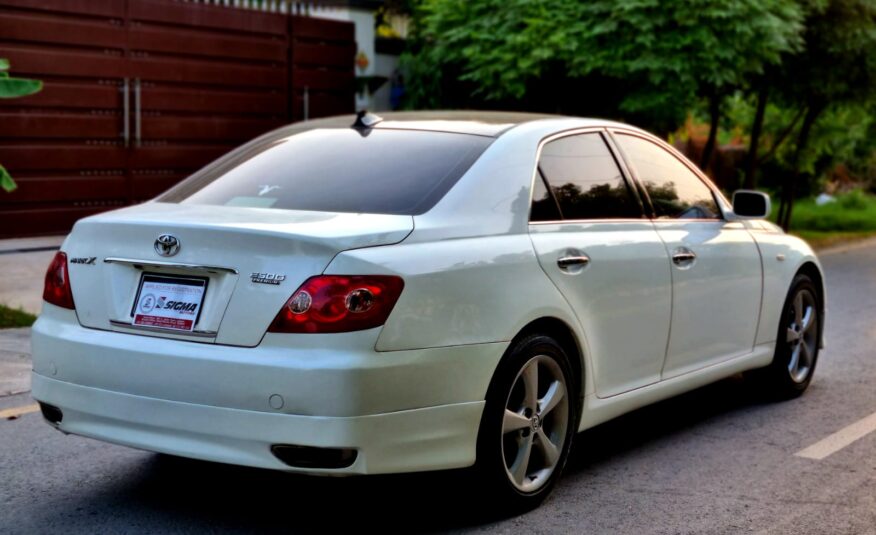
{"type": "Point", "coordinates": [339, 303]}
{"type": "Point", "coordinates": [57, 289]}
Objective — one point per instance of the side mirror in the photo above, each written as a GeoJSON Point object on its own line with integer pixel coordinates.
{"type": "Point", "coordinates": [750, 204]}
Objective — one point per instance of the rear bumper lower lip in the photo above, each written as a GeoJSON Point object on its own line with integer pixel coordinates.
{"type": "Point", "coordinates": [432, 438]}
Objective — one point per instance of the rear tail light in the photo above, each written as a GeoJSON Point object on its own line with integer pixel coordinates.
{"type": "Point", "coordinates": [57, 289]}
{"type": "Point", "coordinates": [339, 303]}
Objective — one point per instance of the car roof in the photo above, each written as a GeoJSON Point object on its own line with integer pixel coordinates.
{"type": "Point", "coordinates": [482, 123]}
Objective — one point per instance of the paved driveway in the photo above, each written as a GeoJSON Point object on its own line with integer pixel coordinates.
{"type": "Point", "coordinates": [717, 460]}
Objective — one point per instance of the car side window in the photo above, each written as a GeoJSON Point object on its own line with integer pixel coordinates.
{"type": "Point", "coordinates": [585, 180]}
{"type": "Point", "coordinates": [544, 207]}
{"type": "Point", "coordinates": [675, 191]}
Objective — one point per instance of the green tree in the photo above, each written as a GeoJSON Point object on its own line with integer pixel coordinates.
{"type": "Point", "coordinates": [836, 69]}
{"type": "Point", "coordinates": [13, 88]}
{"type": "Point", "coordinates": [648, 60]}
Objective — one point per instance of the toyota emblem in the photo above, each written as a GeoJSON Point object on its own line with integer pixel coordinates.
{"type": "Point", "coordinates": [167, 245]}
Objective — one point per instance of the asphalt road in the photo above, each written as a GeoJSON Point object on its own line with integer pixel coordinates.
{"type": "Point", "coordinates": [717, 460]}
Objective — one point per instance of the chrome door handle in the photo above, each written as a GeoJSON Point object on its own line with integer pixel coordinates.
{"type": "Point", "coordinates": [567, 262]}
{"type": "Point", "coordinates": [683, 257]}
{"type": "Point", "coordinates": [126, 113]}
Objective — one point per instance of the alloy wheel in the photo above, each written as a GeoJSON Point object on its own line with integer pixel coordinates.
{"type": "Point", "coordinates": [802, 334]}
{"type": "Point", "coordinates": [535, 423]}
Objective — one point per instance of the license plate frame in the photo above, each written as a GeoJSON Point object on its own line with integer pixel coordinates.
{"type": "Point", "coordinates": [174, 285]}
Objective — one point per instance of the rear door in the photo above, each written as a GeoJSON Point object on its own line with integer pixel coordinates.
{"type": "Point", "coordinates": [715, 264]}
{"type": "Point", "coordinates": [591, 238]}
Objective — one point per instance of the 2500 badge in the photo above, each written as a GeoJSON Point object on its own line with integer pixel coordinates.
{"type": "Point", "coordinates": [267, 278]}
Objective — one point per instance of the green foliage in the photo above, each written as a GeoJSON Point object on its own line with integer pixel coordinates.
{"type": "Point", "coordinates": [13, 88]}
{"type": "Point", "coordinates": [855, 200]}
{"type": "Point", "coordinates": [6, 181]}
{"type": "Point", "coordinates": [657, 56]}
{"type": "Point", "coordinates": [835, 75]}
{"type": "Point", "coordinates": [843, 135]}
{"type": "Point", "coordinates": [851, 212]}
{"type": "Point", "coordinates": [10, 317]}
{"type": "Point", "coordinates": [837, 64]}
{"type": "Point", "coordinates": [821, 239]}
{"type": "Point", "coordinates": [16, 87]}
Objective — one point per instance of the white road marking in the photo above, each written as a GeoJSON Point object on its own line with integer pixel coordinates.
{"type": "Point", "coordinates": [839, 440]}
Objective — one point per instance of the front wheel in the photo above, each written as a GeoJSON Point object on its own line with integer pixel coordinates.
{"type": "Point", "coordinates": [528, 423]}
{"type": "Point", "coordinates": [797, 344]}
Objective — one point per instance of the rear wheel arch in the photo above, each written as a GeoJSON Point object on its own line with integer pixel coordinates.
{"type": "Point", "coordinates": [560, 331]}
{"type": "Point", "coordinates": [543, 344]}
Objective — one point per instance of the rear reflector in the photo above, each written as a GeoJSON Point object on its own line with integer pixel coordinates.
{"type": "Point", "coordinates": [57, 288]}
{"type": "Point", "coordinates": [339, 303]}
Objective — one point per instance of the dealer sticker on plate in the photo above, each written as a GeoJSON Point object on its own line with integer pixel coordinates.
{"type": "Point", "coordinates": [169, 302]}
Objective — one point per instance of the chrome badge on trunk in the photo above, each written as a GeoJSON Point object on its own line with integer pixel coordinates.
{"type": "Point", "coordinates": [267, 278]}
{"type": "Point", "coordinates": [167, 245]}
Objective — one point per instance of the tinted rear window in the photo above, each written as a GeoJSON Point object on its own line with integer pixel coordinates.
{"type": "Point", "coordinates": [337, 170]}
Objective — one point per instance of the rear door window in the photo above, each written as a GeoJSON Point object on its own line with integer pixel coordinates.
{"type": "Point", "coordinates": [379, 171]}
{"type": "Point", "coordinates": [544, 206]}
{"type": "Point", "coordinates": [585, 179]}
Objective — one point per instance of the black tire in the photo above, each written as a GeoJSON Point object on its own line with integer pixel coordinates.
{"type": "Point", "coordinates": [495, 444]}
{"type": "Point", "coordinates": [779, 380]}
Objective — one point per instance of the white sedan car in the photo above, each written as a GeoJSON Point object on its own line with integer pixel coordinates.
{"type": "Point", "coordinates": [424, 291]}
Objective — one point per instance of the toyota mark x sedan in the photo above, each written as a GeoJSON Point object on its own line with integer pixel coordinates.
{"type": "Point", "coordinates": [422, 291]}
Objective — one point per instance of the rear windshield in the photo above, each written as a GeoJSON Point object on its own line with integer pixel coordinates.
{"type": "Point", "coordinates": [380, 171]}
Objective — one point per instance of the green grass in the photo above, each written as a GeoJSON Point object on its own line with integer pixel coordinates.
{"type": "Point", "coordinates": [10, 317]}
{"type": "Point", "coordinates": [850, 218]}
{"type": "Point", "coordinates": [822, 239]}
{"type": "Point", "coordinates": [851, 212]}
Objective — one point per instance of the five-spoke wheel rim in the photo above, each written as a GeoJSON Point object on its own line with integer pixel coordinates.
{"type": "Point", "coordinates": [802, 335]}
{"type": "Point", "coordinates": [535, 424]}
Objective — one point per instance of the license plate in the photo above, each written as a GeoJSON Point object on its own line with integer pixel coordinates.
{"type": "Point", "coordinates": [169, 302]}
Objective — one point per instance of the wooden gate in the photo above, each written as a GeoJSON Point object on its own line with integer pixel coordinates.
{"type": "Point", "coordinates": [140, 93]}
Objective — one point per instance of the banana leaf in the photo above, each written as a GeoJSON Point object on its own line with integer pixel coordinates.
{"type": "Point", "coordinates": [6, 181]}
{"type": "Point", "coordinates": [18, 87]}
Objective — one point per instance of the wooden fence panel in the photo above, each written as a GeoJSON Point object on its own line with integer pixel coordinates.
{"type": "Point", "coordinates": [210, 77]}
{"type": "Point", "coordinates": [63, 145]}
{"type": "Point", "coordinates": [193, 63]}
{"type": "Point", "coordinates": [321, 84]}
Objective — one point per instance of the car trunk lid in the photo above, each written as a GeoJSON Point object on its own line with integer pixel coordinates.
{"type": "Point", "coordinates": [239, 265]}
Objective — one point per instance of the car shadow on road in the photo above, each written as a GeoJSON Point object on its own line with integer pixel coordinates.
{"type": "Point", "coordinates": [663, 421]}
{"type": "Point", "coordinates": [192, 495]}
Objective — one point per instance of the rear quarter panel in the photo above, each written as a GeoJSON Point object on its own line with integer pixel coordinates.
{"type": "Point", "coordinates": [458, 292]}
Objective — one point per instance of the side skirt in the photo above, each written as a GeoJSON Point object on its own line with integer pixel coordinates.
{"type": "Point", "coordinates": [598, 410]}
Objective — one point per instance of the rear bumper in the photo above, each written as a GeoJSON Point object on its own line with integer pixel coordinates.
{"type": "Point", "coordinates": [401, 411]}
{"type": "Point", "coordinates": [432, 438]}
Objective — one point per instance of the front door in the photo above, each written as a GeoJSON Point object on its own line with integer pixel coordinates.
{"type": "Point", "coordinates": [715, 264]}
{"type": "Point", "coordinates": [605, 258]}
